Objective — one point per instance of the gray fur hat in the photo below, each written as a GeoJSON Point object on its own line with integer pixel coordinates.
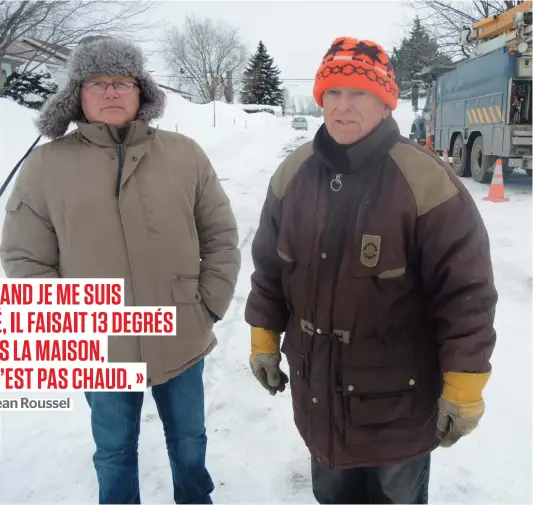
{"type": "Point", "coordinates": [99, 55]}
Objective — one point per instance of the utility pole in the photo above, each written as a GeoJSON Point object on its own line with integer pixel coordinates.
{"type": "Point", "coordinates": [214, 86]}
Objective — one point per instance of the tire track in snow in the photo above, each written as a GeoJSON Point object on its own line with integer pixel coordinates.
{"type": "Point", "coordinates": [236, 406]}
{"type": "Point", "coordinates": [249, 234]}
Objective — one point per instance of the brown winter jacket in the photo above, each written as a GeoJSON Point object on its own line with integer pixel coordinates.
{"type": "Point", "coordinates": [64, 220]}
{"type": "Point", "coordinates": [380, 287]}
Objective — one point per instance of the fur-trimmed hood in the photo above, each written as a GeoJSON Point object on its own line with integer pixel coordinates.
{"type": "Point", "coordinates": [94, 56]}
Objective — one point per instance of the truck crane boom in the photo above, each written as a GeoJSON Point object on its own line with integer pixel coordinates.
{"type": "Point", "coordinates": [511, 28]}
{"type": "Point", "coordinates": [494, 26]}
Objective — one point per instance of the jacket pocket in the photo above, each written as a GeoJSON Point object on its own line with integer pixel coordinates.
{"type": "Point", "coordinates": [192, 316]}
{"type": "Point", "coordinates": [186, 289]}
{"type": "Point", "coordinates": [392, 271]}
{"type": "Point", "coordinates": [287, 269]}
{"type": "Point", "coordinates": [376, 398]}
{"type": "Point", "coordinates": [374, 256]}
{"type": "Point", "coordinates": [383, 280]}
{"type": "Point", "coordinates": [298, 376]}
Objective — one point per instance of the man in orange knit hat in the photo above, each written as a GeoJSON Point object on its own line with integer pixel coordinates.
{"type": "Point", "coordinates": [373, 260]}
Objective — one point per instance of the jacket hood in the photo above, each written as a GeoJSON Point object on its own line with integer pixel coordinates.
{"type": "Point", "coordinates": [99, 56]}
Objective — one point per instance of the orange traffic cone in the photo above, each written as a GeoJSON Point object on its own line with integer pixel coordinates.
{"type": "Point", "coordinates": [496, 191]}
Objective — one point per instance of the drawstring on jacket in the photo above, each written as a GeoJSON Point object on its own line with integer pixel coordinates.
{"type": "Point", "coordinates": [120, 152]}
{"type": "Point", "coordinates": [14, 171]}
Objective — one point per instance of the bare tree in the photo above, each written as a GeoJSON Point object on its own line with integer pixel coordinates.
{"type": "Point", "coordinates": [64, 23]}
{"type": "Point", "coordinates": [445, 19]}
{"type": "Point", "coordinates": [203, 54]}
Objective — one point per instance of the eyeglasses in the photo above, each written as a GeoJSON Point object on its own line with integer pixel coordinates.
{"type": "Point", "coordinates": [99, 88]}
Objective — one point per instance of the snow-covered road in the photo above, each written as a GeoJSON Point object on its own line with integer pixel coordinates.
{"type": "Point", "coordinates": [255, 454]}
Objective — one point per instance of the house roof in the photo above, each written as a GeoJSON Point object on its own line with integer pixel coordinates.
{"type": "Point", "coordinates": [29, 49]}
{"type": "Point", "coordinates": [184, 93]}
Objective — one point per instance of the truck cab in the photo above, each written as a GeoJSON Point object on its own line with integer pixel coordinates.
{"type": "Point", "coordinates": [423, 121]}
{"type": "Point", "coordinates": [418, 127]}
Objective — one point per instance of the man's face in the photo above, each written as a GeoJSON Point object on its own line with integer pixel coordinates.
{"type": "Point", "coordinates": [115, 107]}
{"type": "Point", "coordinates": [351, 114]}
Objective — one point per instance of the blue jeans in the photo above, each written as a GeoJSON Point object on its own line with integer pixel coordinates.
{"type": "Point", "coordinates": [115, 421]}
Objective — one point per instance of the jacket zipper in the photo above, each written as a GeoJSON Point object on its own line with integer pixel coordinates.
{"type": "Point", "coordinates": [334, 183]}
{"type": "Point", "coordinates": [336, 186]}
{"type": "Point", "coordinates": [120, 152]}
{"type": "Point", "coordinates": [336, 350]}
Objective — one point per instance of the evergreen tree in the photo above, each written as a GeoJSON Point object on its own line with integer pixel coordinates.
{"type": "Point", "coordinates": [30, 90]}
{"type": "Point", "coordinates": [415, 53]}
{"type": "Point", "coordinates": [261, 80]}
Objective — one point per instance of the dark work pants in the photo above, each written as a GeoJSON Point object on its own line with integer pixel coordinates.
{"type": "Point", "coordinates": [116, 420]}
{"type": "Point", "coordinates": [402, 483]}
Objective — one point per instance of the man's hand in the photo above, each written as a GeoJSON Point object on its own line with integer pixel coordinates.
{"type": "Point", "coordinates": [265, 359]}
{"type": "Point", "coordinates": [461, 405]}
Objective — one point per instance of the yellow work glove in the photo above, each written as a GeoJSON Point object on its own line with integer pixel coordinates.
{"type": "Point", "coordinates": [265, 359]}
{"type": "Point", "coordinates": [461, 405]}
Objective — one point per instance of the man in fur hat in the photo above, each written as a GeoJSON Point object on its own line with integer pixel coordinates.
{"type": "Point", "coordinates": [118, 198]}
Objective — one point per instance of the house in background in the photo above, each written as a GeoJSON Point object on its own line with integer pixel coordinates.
{"type": "Point", "coordinates": [188, 96]}
{"type": "Point", "coordinates": [27, 53]}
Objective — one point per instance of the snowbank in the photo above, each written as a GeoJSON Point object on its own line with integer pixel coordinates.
{"type": "Point", "coordinates": [17, 134]}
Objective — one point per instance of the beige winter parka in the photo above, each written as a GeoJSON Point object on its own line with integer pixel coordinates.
{"type": "Point", "coordinates": [170, 233]}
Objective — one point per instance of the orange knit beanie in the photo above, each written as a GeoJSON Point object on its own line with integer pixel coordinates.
{"type": "Point", "coordinates": [360, 64]}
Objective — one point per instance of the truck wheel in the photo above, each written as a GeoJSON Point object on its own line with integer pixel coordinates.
{"type": "Point", "coordinates": [480, 164]}
{"type": "Point", "coordinates": [416, 138]}
{"type": "Point", "coordinates": [461, 158]}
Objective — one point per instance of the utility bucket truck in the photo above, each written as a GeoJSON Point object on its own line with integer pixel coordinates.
{"type": "Point", "coordinates": [479, 109]}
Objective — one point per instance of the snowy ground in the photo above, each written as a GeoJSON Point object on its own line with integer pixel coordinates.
{"type": "Point", "coordinates": [255, 454]}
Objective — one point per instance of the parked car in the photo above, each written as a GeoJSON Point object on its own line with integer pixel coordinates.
{"type": "Point", "coordinates": [299, 123]}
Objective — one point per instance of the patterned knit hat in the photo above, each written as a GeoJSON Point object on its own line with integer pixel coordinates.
{"type": "Point", "coordinates": [360, 64]}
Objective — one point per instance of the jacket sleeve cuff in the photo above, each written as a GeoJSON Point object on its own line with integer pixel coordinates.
{"type": "Point", "coordinates": [461, 387]}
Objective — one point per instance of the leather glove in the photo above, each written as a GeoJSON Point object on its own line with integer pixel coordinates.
{"type": "Point", "coordinates": [265, 359]}
{"type": "Point", "coordinates": [461, 405]}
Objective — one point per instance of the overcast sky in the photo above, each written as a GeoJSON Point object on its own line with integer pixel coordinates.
{"type": "Point", "coordinates": [296, 33]}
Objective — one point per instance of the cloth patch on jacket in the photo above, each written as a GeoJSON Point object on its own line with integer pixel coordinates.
{"type": "Point", "coordinates": [370, 248]}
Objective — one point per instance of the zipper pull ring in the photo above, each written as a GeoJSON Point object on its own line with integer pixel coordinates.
{"type": "Point", "coordinates": [336, 184]}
